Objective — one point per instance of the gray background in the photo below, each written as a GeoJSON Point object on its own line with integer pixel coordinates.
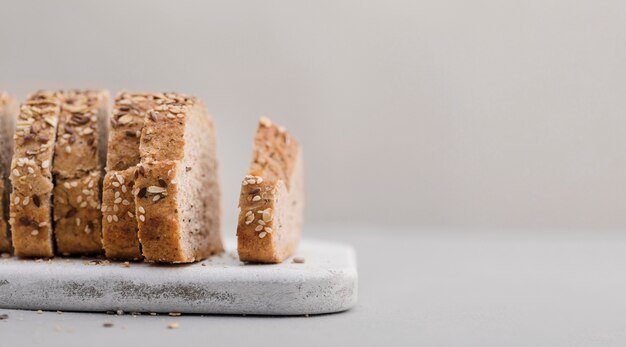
{"type": "Point", "coordinates": [444, 113]}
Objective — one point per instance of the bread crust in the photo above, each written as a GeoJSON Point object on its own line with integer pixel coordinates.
{"type": "Point", "coordinates": [77, 168]}
{"type": "Point", "coordinates": [119, 223]}
{"type": "Point", "coordinates": [31, 176]}
{"type": "Point", "coordinates": [271, 201]}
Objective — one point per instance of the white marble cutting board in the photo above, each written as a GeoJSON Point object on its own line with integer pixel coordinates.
{"type": "Point", "coordinates": [326, 282]}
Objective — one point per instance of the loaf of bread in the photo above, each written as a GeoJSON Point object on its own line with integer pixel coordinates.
{"type": "Point", "coordinates": [31, 176]}
{"type": "Point", "coordinates": [271, 202]}
{"type": "Point", "coordinates": [177, 194]}
{"type": "Point", "coordinates": [8, 113]}
{"type": "Point", "coordinates": [119, 223]}
{"type": "Point", "coordinates": [77, 167]}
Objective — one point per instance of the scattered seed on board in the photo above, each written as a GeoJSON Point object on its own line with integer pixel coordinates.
{"type": "Point", "coordinates": [299, 260]}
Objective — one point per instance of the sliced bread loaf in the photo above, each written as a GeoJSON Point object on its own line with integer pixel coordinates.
{"type": "Point", "coordinates": [31, 176]}
{"type": "Point", "coordinates": [77, 168]}
{"type": "Point", "coordinates": [8, 113]}
{"type": "Point", "coordinates": [177, 193]}
{"type": "Point", "coordinates": [119, 224]}
{"type": "Point", "coordinates": [271, 202]}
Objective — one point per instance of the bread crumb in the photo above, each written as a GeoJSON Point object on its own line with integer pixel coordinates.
{"type": "Point", "coordinates": [60, 312]}
{"type": "Point", "coordinates": [172, 326]}
{"type": "Point", "coordinates": [299, 260]}
{"type": "Point", "coordinates": [107, 324]}
{"type": "Point", "coordinates": [125, 264]}
{"type": "Point", "coordinates": [5, 255]}
{"type": "Point", "coordinates": [174, 314]}
{"type": "Point", "coordinates": [39, 311]}
{"type": "Point", "coordinates": [154, 314]}
{"type": "Point", "coordinates": [4, 316]}
{"type": "Point", "coordinates": [119, 312]}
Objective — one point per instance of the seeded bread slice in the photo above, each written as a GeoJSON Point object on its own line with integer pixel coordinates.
{"type": "Point", "coordinates": [77, 168]}
{"type": "Point", "coordinates": [271, 202]}
{"type": "Point", "coordinates": [31, 176]}
{"type": "Point", "coordinates": [8, 113]}
{"type": "Point", "coordinates": [177, 190]}
{"type": "Point", "coordinates": [119, 224]}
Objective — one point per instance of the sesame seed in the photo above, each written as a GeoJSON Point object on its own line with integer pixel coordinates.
{"type": "Point", "coordinates": [262, 234]}
{"type": "Point", "coordinates": [268, 230]}
{"type": "Point", "coordinates": [256, 198]}
{"type": "Point", "coordinates": [74, 184]}
{"type": "Point", "coordinates": [17, 200]}
{"type": "Point", "coordinates": [125, 202]}
{"type": "Point", "coordinates": [124, 189]}
{"type": "Point", "coordinates": [117, 201]}
{"type": "Point", "coordinates": [130, 214]}
{"type": "Point", "coordinates": [109, 218]}
{"type": "Point", "coordinates": [26, 201]}
{"type": "Point", "coordinates": [156, 198]}
{"type": "Point", "coordinates": [67, 185]}
{"type": "Point", "coordinates": [115, 218]}
{"type": "Point", "coordinates": [141, 209]}
{"type": "Point", "coordinates": [265, 122]}
{"type": "Point", "coordinates": [172, 326]}
{"type": "Point", "coordinates": [117, 195]}
{"type": "Point", "coordinates": [115, 184]}
{"type": "Point", "coordinates": [260, 221]}
{"type": "Point", "coordinates": [299, 260]}
{"type": "Point", "coordinates": [31, 170]}
{"type": "Point", "coordinates": [45, 164]}
{"type": "Point", "coordinates": [77, 221]}
{"type": "Point", "coordinates": [267, 215]}
{"type": "Point", "coordinates": [35, 232]}
{"type": "Point", "coordinates": [156, 190]}
{"type": "Point", "coordinates": [120, 179]}
{"type": "Point", "coordinates": [258, 228]}
{"type": "Point", "coordinates": [16, 173]}
{"type": "Point", "coordinates": [142, 218]}
{"type": "Point", "coordinates": [68, 149]}
{"type": "Point", "coordinates": [79, 199]}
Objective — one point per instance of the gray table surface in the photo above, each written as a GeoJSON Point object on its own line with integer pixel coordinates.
{"type": "Point", "coordinates": [417, 287]}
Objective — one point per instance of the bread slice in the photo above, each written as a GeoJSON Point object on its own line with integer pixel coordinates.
{"type": "Point", "coordinates": [77, 167]}
{"type": "Point", "coordinates": [31, 176]}
{"type": "Point", "coordinates": [271, 202]}
{"type": "Point", "coordinates": [8, 113]}
{"type": "Point", "coordinates": [177, 191]}
{"type": "Point", "coordinates": [119, 224]}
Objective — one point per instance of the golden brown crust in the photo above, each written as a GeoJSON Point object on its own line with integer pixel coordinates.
{"type": "Point", "coordinates": [275, 152]}
{"type": "Point", "coordinates": [162, 137]}
{"type": "Point", "coordinates": [31, 176]}
{"type": "Point", "coordinates": [157, 213]}
{"type": "Point", "coordinates": [77, 170]}
{"type": "Point", "coordinates": [76, 149]}
{"type": "Point", "coordinates": [127, 122]}
{"type": "Point", "coordinates": [271, 198]}
{"type": "Point", "coordinates": [77, 214]}
{"type": "Point", "coordinates": [119, 222]}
